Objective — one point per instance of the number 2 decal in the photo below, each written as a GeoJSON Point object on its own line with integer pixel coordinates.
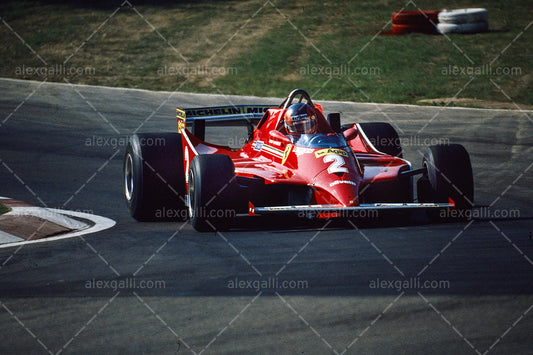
{"type": "Point", "coordinates": [337, 163]}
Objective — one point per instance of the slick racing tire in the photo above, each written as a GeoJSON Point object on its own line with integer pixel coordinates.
{"type": "Point", "coordinates": [448, 175]}
{"type": "Point", "coordinates": [384, 137]}
{"type": "Point", "coordinates": [211, 187]}
{"type": "Point", "coordinates": [463, 16]}
{"type": "Point", "coordinates": [414, 17]}
{"type": "Point", "coordinates": [422, 21]}
{"type": "Point", "coordinates": [401, 29]}
{"type": "Point", "coordinates": [465, 28]}
{"type": "Point", "coordinates": [154, 179]}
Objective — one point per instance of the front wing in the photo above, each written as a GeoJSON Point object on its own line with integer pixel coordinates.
{"type": "Point", "coordinates": [339, 211]}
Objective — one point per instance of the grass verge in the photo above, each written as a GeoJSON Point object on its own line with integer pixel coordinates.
{"type": "Point", "coordinates": [4, 209]}
{"type": "Point", "coordinates": [251, 47]}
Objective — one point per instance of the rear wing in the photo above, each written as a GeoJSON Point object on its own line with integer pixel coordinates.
{"type": "Point", "coordinates": [219, 115]}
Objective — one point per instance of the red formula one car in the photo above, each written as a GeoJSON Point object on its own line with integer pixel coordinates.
{"type": "Point", "coordinates": [295, 161]}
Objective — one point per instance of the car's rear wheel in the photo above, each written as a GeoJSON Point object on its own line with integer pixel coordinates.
{"type": "Point", "coordinates": [211, 192]}
{"type": "Point", "coordinates": [154, 180]}
{"type": "Point", "coordinates": [384, 137]}
{"type": "Point", "coordinates": [448, 175]}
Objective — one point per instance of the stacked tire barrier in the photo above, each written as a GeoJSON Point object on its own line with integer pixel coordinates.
{"type": "Point", "coordinates": [440, 22]}
{"type": "Point", "coordinates": [422, 21]}
{"type": "Point", "coordinates": [463, 21]}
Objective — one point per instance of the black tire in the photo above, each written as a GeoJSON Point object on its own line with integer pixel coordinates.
{"type": "Point", "coordinates": [449, 175]}
{"type": "Point", "coordinates": [384, 137]}
{"type": "Point", "coordinates": [414, 21]}
{"type": "Point", "coordinates": [211, 191]}
{"type": "Point", "coordinates": [154, 179]}
{"type": "Point", "coordinates": [415, 17]}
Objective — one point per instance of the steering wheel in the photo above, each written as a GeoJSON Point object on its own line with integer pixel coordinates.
{"type": "Point", "coordinates": [298, 92]}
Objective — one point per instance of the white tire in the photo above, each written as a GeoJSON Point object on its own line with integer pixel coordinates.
{"type": "Point", "coordinates": [476, 27]}
{"type": "Point", "coordinates": [461, 16]}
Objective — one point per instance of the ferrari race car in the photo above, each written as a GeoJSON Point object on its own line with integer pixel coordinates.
{"type": "Point", "coordinates": [295, 161]}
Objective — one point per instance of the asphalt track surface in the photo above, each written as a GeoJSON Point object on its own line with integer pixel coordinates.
{"type": "Point", "coordinates": [62, 146]}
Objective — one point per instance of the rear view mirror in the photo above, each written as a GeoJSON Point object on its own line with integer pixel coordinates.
{"type": "Point", "coordinates": [350, 133]}
{"type": "Point", "coordinates": [277, 135]}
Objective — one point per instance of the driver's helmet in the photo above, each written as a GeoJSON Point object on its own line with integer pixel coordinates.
{"type": "Point", "coordinates": [300, 118]}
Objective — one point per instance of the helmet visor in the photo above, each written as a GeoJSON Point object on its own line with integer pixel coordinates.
{"type": "Point", "coordinates": [302, 123]}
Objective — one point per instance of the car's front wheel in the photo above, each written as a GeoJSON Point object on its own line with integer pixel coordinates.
{"type": "Point", "coordinates": [211, 192]}
{"type": "Point", "coordinates": [448, 175]}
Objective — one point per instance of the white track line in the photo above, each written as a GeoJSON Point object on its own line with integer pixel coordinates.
{"type": "Point", "coordinates": [9, 238]}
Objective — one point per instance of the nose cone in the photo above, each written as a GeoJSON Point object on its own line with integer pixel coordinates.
{"type": "Point", "coordinates": [337, 188]}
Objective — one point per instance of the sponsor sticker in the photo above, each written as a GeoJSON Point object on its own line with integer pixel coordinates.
{"type": "Point", "coordinates": [273, 150]}
{"type": "Point", "coordinates": [323, 152]}
{"type": "Point", "coordinates": [180, 115]}
{"type": "Point", "coordinates": [258, 146]}
{"type": "Point", "coordinates": [225, 110]}
{"type": "Point", "coordinates": [337, 182]}
{"type": "Point", "coordinates": [286, 153]}
{"type": "Point", "coordinates": [301, 150]}
{"type": "Point", "coordinates": [181, 125]}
